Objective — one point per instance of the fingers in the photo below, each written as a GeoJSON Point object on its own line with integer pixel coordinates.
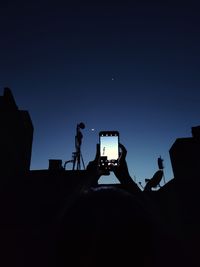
{"type": "Point", "coordinates": [96, 159]}
{"type": "Point", "coordinates": [123, 151]}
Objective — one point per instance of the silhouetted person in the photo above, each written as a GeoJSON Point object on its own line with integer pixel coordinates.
{"type": "Point", "coordinates": [106, 227]}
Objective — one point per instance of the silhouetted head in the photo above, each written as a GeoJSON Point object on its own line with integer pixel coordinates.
{"type": "Point", "coordinates": [106, 227]}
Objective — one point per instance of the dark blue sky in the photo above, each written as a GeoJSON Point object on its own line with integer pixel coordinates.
{"type": "Point", "coordinates": [131, 67]}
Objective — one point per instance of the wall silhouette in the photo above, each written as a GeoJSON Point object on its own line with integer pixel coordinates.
{"type": "Point", "coordinates": [16, 137]}
{"type": "Point", "coordinates": [185, 156]}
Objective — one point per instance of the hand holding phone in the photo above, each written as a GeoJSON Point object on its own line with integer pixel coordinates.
{"type": "Point", "coordinates": [109, 150]}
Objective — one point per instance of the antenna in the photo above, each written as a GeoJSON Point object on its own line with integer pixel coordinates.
{"type": "Point", "coordinates": [160, 163]}
{"type": "Point", "coordinates": [154, 181]}
{"type": "Point", "coordinates": [161, 166]}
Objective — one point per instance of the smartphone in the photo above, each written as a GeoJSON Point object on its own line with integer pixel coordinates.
{"type": "Point", "coordinates": [109, 149]}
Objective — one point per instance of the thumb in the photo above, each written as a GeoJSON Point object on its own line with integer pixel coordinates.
{"type": "Point", "coordinates": [97, 152]}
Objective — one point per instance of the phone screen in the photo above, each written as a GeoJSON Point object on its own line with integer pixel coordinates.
{"type": "Point", "coordinates": [109, 149]}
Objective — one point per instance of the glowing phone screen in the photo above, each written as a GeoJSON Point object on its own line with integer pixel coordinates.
{"type": "Point", "coordinates": [109, 148]}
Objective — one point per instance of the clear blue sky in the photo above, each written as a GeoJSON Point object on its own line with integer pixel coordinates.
{"type": "Point", "coordinates": [132, 66]}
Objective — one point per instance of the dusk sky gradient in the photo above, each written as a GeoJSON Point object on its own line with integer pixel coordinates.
{"type": "Point", "coordinates": [130, 66]}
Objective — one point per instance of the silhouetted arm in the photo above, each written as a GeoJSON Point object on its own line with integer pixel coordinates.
{"type": "Point", "coordinates": [122, 173]}
{"type": "Point", "coordinates": [93, 171]}
{"type": "Point", "coordinates": [92, 175]}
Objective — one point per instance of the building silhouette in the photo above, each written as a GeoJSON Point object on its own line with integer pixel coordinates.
{"type": "Point", "coordinates": [185, 156]}
{"type": "Point", "coordinates": [16, 137]}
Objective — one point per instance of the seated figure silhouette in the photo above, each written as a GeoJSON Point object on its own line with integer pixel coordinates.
{"type": "Point", "coordinates": [107, 226]}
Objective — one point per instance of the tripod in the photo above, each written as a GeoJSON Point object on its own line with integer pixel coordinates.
{"type": "Point", "coordinates": [77, 156]}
